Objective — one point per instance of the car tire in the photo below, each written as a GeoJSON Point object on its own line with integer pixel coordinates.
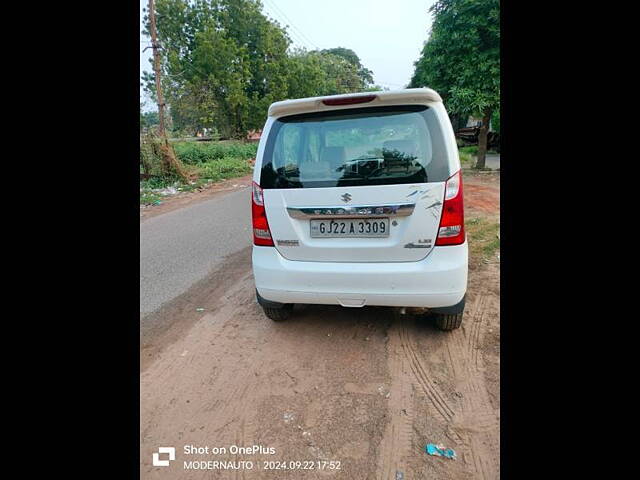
{"type": "Point", "coordinates": [278, 314]}
{"type": "Point", "coordinates": [447, 322]}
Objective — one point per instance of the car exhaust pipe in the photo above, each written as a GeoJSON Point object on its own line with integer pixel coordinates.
{"type": "Point", "coordinates": [412, 310]}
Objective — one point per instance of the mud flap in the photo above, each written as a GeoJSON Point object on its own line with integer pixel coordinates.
{"type": "Point", "coordinates": [268, 303]}
{"type": "Point", "coordinates": [452, 310]}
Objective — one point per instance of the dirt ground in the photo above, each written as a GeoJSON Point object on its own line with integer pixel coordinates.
{"type": "Point", "coordinates": [481, 193]}
{"type": "Point", "coordinates": [364, 387]}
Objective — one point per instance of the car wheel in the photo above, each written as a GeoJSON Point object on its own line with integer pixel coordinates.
{"type": "Point", "coordinates": [278, 314]}
{"type": "Point", "coordinates": [448, 322]}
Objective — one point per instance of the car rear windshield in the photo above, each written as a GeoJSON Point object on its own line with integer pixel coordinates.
{"type": "Point", "coordinates": [364, 146]}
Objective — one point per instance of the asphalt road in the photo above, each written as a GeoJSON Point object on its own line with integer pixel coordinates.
{"type": "Point", "coordinates": [492, 162]}
{"type": "Point", "coordinates": [181, 247]}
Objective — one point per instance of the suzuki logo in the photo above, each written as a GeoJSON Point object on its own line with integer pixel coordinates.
{"type": "Point", "coordinates": [346, 197]}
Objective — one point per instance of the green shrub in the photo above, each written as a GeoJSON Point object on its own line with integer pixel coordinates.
{"type": "Point", "coordinates": [227, 167]}
{"type": "Point", "coordinates": [197, 153]}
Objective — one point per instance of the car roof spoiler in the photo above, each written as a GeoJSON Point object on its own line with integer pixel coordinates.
{"type": "Point", "coordinates": [315, 104]}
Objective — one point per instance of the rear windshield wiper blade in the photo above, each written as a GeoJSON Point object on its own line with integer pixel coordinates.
{"type": "Point", "coordinates": [364, 158]}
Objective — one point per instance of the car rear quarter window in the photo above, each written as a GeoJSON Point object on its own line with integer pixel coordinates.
{"type": "Point", "coordinates": [353, 147]}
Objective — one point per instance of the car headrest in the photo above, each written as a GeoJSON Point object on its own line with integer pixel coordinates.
{"type": "Point", "coordinates": [313, 170]}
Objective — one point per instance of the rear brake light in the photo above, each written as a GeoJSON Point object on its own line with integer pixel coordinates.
{"type": "Point", "coordinates": [349, 100]}
{"type": "Point", "coordinates": [451, 231]}
{"type": "Point", "coordinates": [261, 232]}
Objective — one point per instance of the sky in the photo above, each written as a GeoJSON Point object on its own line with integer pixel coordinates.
{"type": "Point", "coordinates": [387, 35]}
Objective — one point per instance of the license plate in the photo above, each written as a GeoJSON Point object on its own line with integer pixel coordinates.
{"type": "Point", "coordinates": [343, 227]}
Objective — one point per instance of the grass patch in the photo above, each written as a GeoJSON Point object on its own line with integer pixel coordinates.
{"type": "Point", "coordinates": [466, 159]}
{"type": "Point", "coordinates": [227, 167]}
{"type": "Point", "coordinates": [215, 161]}
{"type": "Point", "coordinates": [208, 161]}
{"type": "Point", "coordinates": [472, 149]}
{"type": "Point", "coordinates": [482, 235]}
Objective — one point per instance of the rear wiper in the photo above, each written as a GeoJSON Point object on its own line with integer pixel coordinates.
{"type": "Point", "coordinates": [353, 160]}
{"type": "Point", "coordinates": [344, 166]}
{"type": "Point", "coordinates": [381, 170]}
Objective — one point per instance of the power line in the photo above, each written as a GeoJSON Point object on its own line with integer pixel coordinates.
{"type": "Point", "coordinates": [299, 37]}
{"type": "Point", "coordinates": [294, 35]}
{"type": "Point", "coordinates": [293, 26]}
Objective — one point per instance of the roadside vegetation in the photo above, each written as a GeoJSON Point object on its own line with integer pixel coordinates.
{"type": "Point", "coordinates": [469, 154]}
{"type": "Point", "coordinates": [484, 241]}
{"type": "Point", "coordinates": [205, 163]}
{"type": "Point", "coordinates": [466, 157]}
{"type": "Point", "coordinates": [461, 61]}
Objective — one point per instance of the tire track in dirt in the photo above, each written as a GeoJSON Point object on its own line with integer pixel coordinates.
{"type": "Point", "coordinates": [396, 443]}
{"type": "Point", "coordinates": [469, 421]}
{"type": "Point", "coordinates": [473, 338]}
{"type": "Point", "coordinates": [477, 424]}
{"type": "Point", "coordinates": [419, 368]}
{"type": "Point", "coordinates": [420, 373]}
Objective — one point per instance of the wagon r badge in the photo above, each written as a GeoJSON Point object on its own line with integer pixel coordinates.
{"type": "Point", "coordinates": [346, 197]}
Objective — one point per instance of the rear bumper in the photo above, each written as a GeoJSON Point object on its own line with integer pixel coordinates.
{"type": "Point", "coordinates": [440, 280]}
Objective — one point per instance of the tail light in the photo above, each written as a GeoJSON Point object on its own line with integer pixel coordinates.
{"type": "Point", "coordinates": [451, 231]}
{"type": "Point", "coordinates": [261, 232]}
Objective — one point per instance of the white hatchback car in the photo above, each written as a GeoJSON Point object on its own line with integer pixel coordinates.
{"type": "Point", "coordinates": [357, 200]}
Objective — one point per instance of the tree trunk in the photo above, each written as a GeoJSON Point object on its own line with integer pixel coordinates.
{"type": "Point", "coordinates": [171, 164]}
{"type": "Point", "coordinates": [482, 138]}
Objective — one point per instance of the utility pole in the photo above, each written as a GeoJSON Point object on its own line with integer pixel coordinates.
{"type": "Point", "coordinates": [156, 67]}
{"type": "Point", "coordinates": [169, 159]}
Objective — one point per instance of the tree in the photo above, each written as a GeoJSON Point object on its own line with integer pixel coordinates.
{"type": "Point", "coordinates": [495, 121]}
{"type": "Point", "coordinates": [366, 75]}
{"type": "Point", "coordinates": [461, 60]}
{"type": "Point", "coordinates": [315, 74]}
{"type": "Point", "coordinates": [170, 162]}
{"type": "Point", "coordinates": [224, 63]}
